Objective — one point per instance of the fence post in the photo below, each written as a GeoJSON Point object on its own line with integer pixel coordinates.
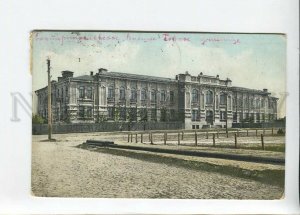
{"type": "Point", "coordinates": [182, 136]}
{"type": "Point", "coordinates": [235, 140]}
{"type": "Point", "coordinates": [256, 132]}
{"type": "Point", "coordinates": [128, 138]}
{"type": "Point", "coordinates": [136, 139]}
{"type": "Point", "coordinates": [226, 133]}
{"type": "Point", "coordinates": [141, 137]}
{"type": "Point", "coordinates": [151, 138]}
{"type": "Point", "coordinates": [131, 137]}
{"type": "Point", "coordinates": [262, 142]}
{"type": "Point", "coordinates": [207, 135]}
{"type": "Point", "coordinates": [165, 140]}
{"type": "Point", "coordinates": [196, 138]}
{"type": "Point", "coordinates": [178, 138]}
{"type": "Point", "coordinates": [214, 141]}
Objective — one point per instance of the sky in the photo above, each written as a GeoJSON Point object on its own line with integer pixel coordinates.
{"type": "Point", "coordinates": [253, 61]}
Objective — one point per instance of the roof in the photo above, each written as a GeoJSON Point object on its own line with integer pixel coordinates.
{"type": "Point", "coordinates": [84, 77]}
{"type": "Point", "coordinates": [136, 76]}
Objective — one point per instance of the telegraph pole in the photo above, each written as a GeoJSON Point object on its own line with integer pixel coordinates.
{"type": "Point", "coordinates": [49, 102]}
{"type": "Point", "coordinates": [226, 114]}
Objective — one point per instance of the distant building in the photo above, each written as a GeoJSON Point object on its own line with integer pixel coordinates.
{"type": "Point", "coordinates": [198, 101]}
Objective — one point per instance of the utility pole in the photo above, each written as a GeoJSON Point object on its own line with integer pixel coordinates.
{"type": "Point", "coordinates": [226, 114]}
{"type": "Point", "coordinates": [49, 102]}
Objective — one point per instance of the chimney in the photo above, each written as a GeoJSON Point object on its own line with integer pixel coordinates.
{"type": "Point", "coordinates": [67, 74]}
{"type": "Point", "coordinates": [102, 70]}
{"type": "Point", "coordinates": [217, 76]}
{"type": "Point", "coordinates": [265, 90]}
{"type": "Point", "coordinates": [91, 73]}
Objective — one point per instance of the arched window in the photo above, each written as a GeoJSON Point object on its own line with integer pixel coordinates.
{"type": "Point", "coordinates": [81, 92]}
{"type": "Point", "coordinates": [251, 103]}
{"type": "Point", "coordinates": [133, 94]}
{"type": "Point", "coordinates": [153, 95]}
{"type": "Point", "coordinates": [162, 95]}
{"type": "Point", "coordinates": [143, 94]}
{"type": "Point", "coordinates": [240, 102]}
{"type": "Point", "coordinates": [111, 93]}
{"type": "Point", "coordinates": [122, 93]}
{"type": "Point", "coordinates": [195, 95]}
{"type": "Point", "coordinates": [209, 97]}
{"type": "Point", "coordinates": [89, 94]}
{"type": "Point", "coordinates": [223, 99]}
{"type": "Point", "coordinates": [257, 103]}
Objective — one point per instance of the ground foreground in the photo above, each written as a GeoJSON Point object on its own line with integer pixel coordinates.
{"type": "Point", "coordinates": [62, 169]}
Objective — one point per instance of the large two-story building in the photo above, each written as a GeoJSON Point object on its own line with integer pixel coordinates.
{"type": "Point", "coordinates": [198, 101]}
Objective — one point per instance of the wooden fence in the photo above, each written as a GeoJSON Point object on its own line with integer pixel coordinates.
{"type": "Point", "coordinates": [193, 136]}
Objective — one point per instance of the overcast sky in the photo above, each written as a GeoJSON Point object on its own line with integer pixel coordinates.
{"type": "Point", "coordinates": [254, 61]}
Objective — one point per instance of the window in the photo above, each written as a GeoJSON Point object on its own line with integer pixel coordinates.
{"type": "Point", "coordinates": [251, 103]}
{"type": "Point", "coordinates": [143, 114]}
{"type": "Point", "coordinates": [223, 99]}
{"type": "Point", "coordinates": [171, 96]}
{"type": "Point", "coordinates": [172, 115]}
{"type": "Point", "coordinates": [241, 117]}
{"type": "Point", "coordinates": [111, 112]}
{"type": "Point", "coordinates": [153, 96]}
{"type": "Point", "coordinates": [240, 102]}
{"type": "Point", "coordinates": [163, 115]}
{"type": "Point", "coordinates": [89, 112]}
{"type": "Point", "coordinates": [122, 93]}
{"type": "Point", "coordinates": [263, 103]}
{"type": "Point", "coordinates": [89, 93]}
{"type": "Point", "coordinates": [247, 116]}
{"type": "Point", "coordinates": [246, 102]}
{"type": "Point", "coordinates": [257, 117]}
{"type": "Point", "coordinates": [257, 103]}
{"type": "Point", "coordinates": [81, 111]}
{"type": "Point", "coordinates": [209, 97]}
{"type": "Point", "coordinates": [195, 95]}
{"type": "Point", "coordinates": [81, 92]}
{"type": "Point", "coordinates": [132, 114]}
{"type": "Point", "coordinates": [234, 117]}
{"type": "Point", "coordinates": [153, 115]}
{"type": "Point", "coordinates": [222, 116]}
{"type": "Point", "coordinates": [143, 94]}
{"type": "Point", "coordinates": [251, 117]}
{"type": "Point", "coordinates": [195, 115]}
{"type": "Point", "coordinates": [111, 92]}
{"type": "Point", "coordinates": [123, 113]}
{"type": "Point", "coordinates": [162, 96]}
{"type": "Point", "coordinates": [133, 94]}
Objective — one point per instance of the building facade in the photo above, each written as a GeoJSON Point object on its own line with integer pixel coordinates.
{"type": "Point", "coordinates": [198, 101]}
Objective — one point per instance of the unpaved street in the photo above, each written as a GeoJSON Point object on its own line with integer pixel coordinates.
{"type": "Point", "coordinates": [60, 169]}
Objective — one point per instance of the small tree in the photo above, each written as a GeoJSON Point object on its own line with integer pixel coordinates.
{"type": "Point", "coordinates": [37, 119]}
{"type": "Point", "coordinates": [143, 117]}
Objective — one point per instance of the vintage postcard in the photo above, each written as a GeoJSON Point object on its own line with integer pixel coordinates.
{"type": "Point", "coordinates": [164, 115]}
